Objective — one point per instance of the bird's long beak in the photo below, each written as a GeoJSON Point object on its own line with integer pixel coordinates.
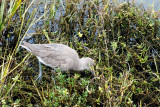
{"type": "Point", "coordinates": [92, 71]}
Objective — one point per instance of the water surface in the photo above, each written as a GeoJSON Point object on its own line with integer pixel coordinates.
{"type": "Point", "coordinates": [155, 4]}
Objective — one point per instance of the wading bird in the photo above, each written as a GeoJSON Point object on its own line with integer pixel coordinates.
{"type": "Point", "coordinates": [58, 56]}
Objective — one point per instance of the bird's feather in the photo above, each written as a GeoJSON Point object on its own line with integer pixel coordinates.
{"type": "Point", "coordinates": [53, 55]}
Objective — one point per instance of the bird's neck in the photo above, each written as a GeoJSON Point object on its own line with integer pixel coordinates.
{"type": "Point", "coordinates": [81, 65]}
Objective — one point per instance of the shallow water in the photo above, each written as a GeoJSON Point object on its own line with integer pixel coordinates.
{"type": "Point", "coordinates": [146, 3]}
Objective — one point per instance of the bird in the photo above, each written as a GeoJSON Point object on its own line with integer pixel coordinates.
{"type": "Point", "coordinates": [56, 55]}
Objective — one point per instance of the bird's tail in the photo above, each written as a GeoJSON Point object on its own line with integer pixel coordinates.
{"type": "Point", "coordinates": [25, 45]}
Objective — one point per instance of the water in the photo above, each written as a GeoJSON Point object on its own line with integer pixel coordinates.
{"type": "Point", "coordinates": [148, 4]}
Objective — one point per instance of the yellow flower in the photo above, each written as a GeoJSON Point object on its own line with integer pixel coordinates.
{"type": "Point", "coordinates": [100, 89]}
{"type": "Point", "coordinates": [65, 92]}
{"type": "Point", "coordinates": [80, 34]}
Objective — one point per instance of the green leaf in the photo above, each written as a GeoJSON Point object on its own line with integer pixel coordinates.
{"type": "Point", "coordinates": [114, 45]}
{"type": "Point", "coordinates": [14, 9]}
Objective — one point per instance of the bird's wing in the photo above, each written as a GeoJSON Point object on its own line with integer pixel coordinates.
{"type": "Point", "coordinates": [54, 55]}
{"type": "Point", "coordinates": [40, 50]}
{"type": "Point", "coordinates": [59, 50]}
{"type": "Point", "coordinates": [57, 55]}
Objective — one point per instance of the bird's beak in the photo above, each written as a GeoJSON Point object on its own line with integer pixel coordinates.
{"type": "Point", "coordinates": [92, 70]}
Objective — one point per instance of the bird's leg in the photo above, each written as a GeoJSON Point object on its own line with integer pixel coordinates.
{"type": "Point", "coordinates": [54, 77]}
{"type": "Point", "coordinates": [68, 72]}
{"type": "Point", "coordinates": [40, 72]}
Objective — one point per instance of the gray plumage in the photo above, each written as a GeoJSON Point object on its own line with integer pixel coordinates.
{"type": "Point", "coordinates": [58, 55]}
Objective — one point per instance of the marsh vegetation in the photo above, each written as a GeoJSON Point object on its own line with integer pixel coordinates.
{"type": "Point", "coordinates": [122, 38]}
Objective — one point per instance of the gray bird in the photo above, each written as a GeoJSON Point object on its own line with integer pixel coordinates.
{"type": "Point", "coordinates": [58, 56]}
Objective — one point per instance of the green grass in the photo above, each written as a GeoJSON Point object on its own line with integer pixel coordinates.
{"type": "Point", "coordinates": [123, 39]}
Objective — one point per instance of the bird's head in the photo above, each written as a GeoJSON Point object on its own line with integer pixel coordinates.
{"type": "Point", "coordinates": [87, 63]}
